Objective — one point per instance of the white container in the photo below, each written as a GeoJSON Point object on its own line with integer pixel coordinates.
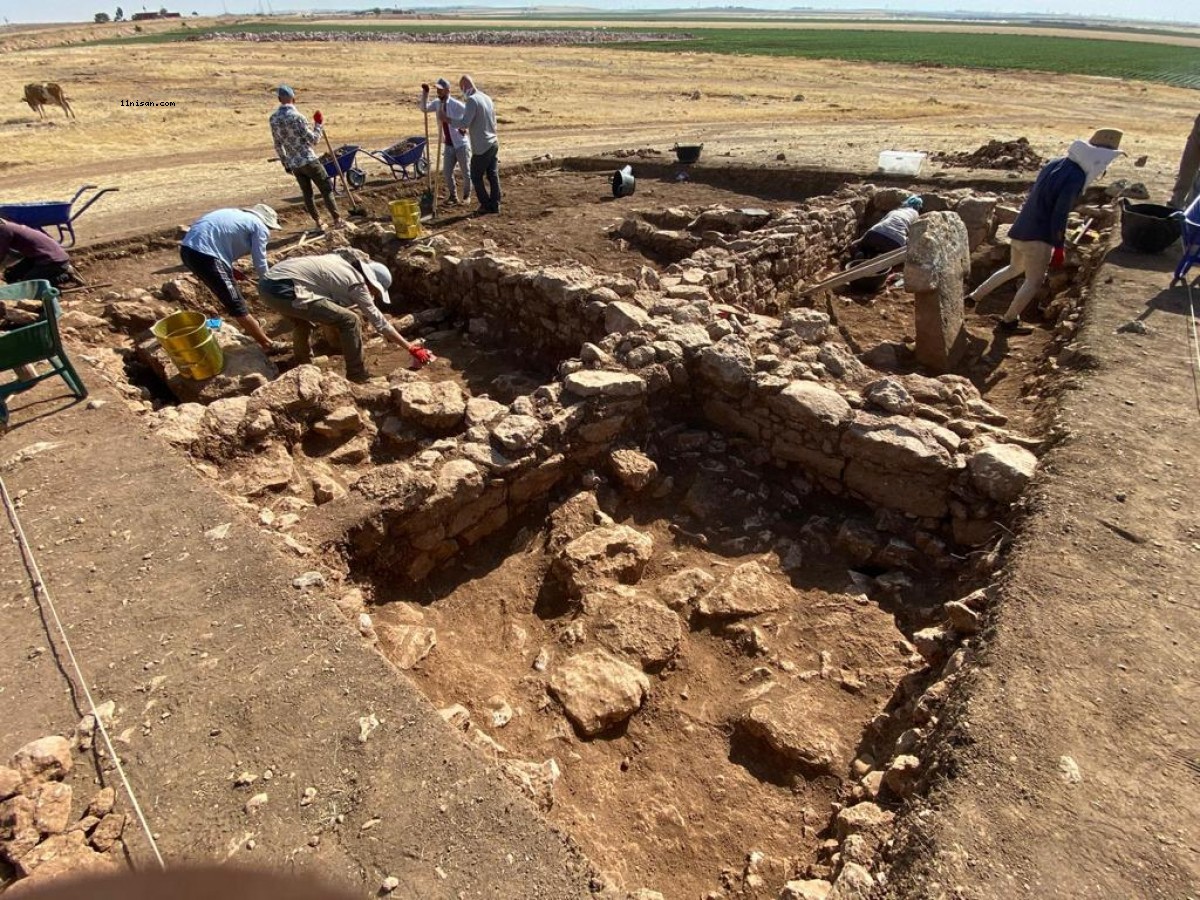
{"type": "Point", "coordinates": [900, 162]}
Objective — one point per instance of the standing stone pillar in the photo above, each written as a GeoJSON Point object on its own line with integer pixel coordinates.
{"type": "Point", "coordinates": [937, 264]}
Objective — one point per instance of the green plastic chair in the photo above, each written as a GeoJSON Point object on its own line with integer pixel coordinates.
{"type": "Point", "coordinates": [39, 342]}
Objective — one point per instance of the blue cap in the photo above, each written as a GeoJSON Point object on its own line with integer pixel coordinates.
{"type": "Point", "coordinates": [914, 202]}
{"type": "Point", "coordinates": [443, 84]}
{"type": "Point", "coordinates": [283, 92]}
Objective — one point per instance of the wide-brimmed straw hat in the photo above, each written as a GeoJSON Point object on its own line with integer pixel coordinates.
{"type": "Point", "coordinates": [1109, 138]}
{"type": "Point", "coordinates": [264, 212]}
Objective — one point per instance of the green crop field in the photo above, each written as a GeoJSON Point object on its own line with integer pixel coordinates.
{"type": "Point", "coordinates": [1167, 63]}
{"type": "Point", "coordinates": [1171, 64]}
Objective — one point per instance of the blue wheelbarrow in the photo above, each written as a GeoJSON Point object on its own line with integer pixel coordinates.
{"type": "Point", "coordinates": [43, 214]}
{"type": "Point", "coordinates": [343, 161]}
{"type": "Point", "coordinates": [399, 156]}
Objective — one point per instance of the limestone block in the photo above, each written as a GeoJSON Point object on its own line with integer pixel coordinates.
{"type": "Point", "coordinates": [937, 263]}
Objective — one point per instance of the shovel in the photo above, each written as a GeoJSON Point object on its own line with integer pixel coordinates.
{"type": "Point", "coordinates": [355, 209]}
{"type": "Point", "coordinates": [427, 198]}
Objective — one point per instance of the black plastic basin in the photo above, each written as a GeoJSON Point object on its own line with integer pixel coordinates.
{"type": "Point", "coordinates": [1148, 227]}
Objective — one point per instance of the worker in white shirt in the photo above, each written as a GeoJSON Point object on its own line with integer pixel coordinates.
{"type": "Point", "coordinates": [890, 233]}
{"type": "Point", "coordinates": [456, 149]}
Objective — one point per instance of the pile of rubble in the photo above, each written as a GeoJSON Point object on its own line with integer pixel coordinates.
{"type": "Point", "coordinates": [39, 834]}
{"type": "Point", "coordinates": [492, 37]}
{"type": "Point", "coordinates": [1007, 156]}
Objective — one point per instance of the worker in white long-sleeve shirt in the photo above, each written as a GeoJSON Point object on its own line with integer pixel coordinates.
{"type": "Point", "coordinates": [456, 149]}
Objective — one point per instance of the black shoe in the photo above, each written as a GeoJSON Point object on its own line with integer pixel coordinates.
{"type": "Point", "coordinates": [359, 377]}
{"type": "Point", "coordinates": [481, 211]}
{"type": "Point", "coordinates": [1014, 327]}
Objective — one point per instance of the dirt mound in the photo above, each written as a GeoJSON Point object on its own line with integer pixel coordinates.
{"type": "Point", "coordinates": [1009, 156]}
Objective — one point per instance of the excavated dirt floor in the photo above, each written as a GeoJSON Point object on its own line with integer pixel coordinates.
{"type": "Point", "coordinates": [685, 797]}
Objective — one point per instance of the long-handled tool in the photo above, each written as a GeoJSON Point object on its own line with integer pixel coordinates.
{"type": "Point", "coordinates": [438, 162]}
{"type": "Point", "coordinates": [355, 209]}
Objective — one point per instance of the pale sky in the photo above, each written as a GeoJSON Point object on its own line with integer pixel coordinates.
{"type": "Point", "coordinates": [1177, 11]}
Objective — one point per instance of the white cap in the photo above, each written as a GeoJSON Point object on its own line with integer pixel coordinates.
{"type": "Point", "coordinates": [380, 278]}
{"type": "Point", "coordinates": [264, 212]}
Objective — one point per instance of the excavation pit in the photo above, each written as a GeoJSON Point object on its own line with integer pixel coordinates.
{"type": "Point", "coordinates": [685, 550]}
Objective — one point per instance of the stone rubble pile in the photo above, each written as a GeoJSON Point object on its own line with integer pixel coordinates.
{"type": "Point", "coordinates": [40, 835]}
{"type": "Point", "coordinates": [489, 37]}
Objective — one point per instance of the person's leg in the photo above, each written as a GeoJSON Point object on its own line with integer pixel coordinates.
{"type": "Point", "coordinates": [325, 185]}
{"type": "Point", "coordinates": [218, 278]}
{"type": "Point", "coordinates": [304, 179]}
{"type": "Point", "coordinates": [280, 296]}
{"type": "Point", "coordinates": [478, 165]}
{"type": "Point", "coordinates": [326, 312]}
{"type": "Point", "coordinates": [1014, 268]}
{"type": "Point", "coordinates": [1036, 256]}
{"type": "Point", "coordinates": [1189, 169]}
{"type": "Point", "coordinates": [493, 177]}
{"type": "Point", "coordinates": [448, 159]}
{"type": "Point", "coordinates": [463, 155]}
{"type": "Point", "coordinates": [18, 271]}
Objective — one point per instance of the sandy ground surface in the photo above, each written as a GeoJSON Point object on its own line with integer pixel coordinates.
{"type": "Point", "coordinates": [212, 148]}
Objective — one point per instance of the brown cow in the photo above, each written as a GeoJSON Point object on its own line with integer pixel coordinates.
{"type": "Point", "coordinates": [41, 94]}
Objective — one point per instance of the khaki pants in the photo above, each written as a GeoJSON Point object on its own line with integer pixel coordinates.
{"type": "Point", "coordinates": [281, 297]}
{"type": "Point", "coordinates": [1029, 258]}
{"type": "Point", "coordinates": [1186, 185]}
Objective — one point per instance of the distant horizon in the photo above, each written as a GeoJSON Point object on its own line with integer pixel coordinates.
{"type": "Point", "coordinates": [1148, 12]}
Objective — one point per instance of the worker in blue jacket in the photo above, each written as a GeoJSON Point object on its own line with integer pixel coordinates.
{"type": "Point", "coordinates": [1039, 235]}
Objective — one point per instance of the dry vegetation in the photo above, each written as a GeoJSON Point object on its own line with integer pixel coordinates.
{"type": "Point", "coordinates": [213, 147]}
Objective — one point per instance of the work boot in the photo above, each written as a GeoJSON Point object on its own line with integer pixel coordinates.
{"type": "Point", "coordinates": [1016, 326]}
{"type": "Point", "coordinates": [359, 377]}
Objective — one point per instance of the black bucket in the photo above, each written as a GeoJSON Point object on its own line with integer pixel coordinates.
{"type": "Point", "coordinates": [623, 182]}
{"type": "Point", "coordinates": [1148, 227]}
{"type": "Point", "coordinates": [689, 154]}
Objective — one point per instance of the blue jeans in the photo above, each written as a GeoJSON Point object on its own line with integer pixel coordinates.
{"type": "Point", "coordinates": [486, 165]}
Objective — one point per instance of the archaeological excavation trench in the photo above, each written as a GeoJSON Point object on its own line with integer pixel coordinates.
{"type": "Point", "coordinates": [692, 555]}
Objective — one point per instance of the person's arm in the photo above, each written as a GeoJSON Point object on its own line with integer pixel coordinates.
{"type": "Point", "coordinates": [258, 250]}
{"type": "Point", "coordinates": [278, 139]}
{"type": "Point", "coordinates": [1063, 204]}
{"type": "Point", "coordinates": [470, 111]}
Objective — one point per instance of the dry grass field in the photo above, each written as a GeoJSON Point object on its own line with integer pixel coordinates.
{"type": "Point", "coordinates": [212, 147]}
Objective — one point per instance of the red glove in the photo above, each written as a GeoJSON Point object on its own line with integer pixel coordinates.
{"type": "Point", "coordinates": [421, 356]}
{"type": "Point", "coordinates": [1058, 257]}
{"type": "Point", "coordinates": [239, 275]}
{"type": "Point", "coordinates": [318, 118]}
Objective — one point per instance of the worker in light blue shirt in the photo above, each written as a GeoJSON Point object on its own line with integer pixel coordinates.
{"type": "Point", "coordinates": [219, 239]}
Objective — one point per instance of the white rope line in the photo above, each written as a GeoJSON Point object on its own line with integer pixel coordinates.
{"type": "Point", "coordinates": [42, 594]}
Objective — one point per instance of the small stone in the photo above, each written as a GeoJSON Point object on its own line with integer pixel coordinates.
{"type": "Point", "coordinates": [501, 713]}
{"type": "Point", "coordinates": [861, 818]}
{"type": "Point", "coordinates": [962, 618]}
{"type": "Point", "coordinates": [366, 627]}
{"type": "Point", "coordinates": [309, 795]}
{"type": "Point", "coordinates": [52, 807]}
{"type": "Point", "coordinates": [1001, 471]}
{"type": "Point", "coordinates": [10, 782]}
{"type": "Point", "coordinates": [615, 553]}
{"type": "Point", "coordinates": [591, 383]}
{"type": "Point", "coordinates": [255, 802]}
{"type": "Point", "coordinates": [46, 759]}
{"type": "Point", "coordinates": [536, 780]}
{"type": "Point", "coordinates": [854, 882]}
{"type": "Point", "coordinates": [1068, 770]}
{"type": "Point", "coordinates": [245, 779]}
{"type": "Point", "coordinates": [747, 591]}
{"type": "Point", "coordinates": [680, 589]}
{"type": "Point", "coordinates": [634, 469]}
{"type": "Point", "coordinates": [108, 832]}
{"type": "Point", "coordinates": [406, 645]}
{"type": "Point", "coordinates": [389, 884]}
{"type": "Point", "coordinates": [598, 691]}
{"type": "Point", "coordinates": [308, 580]}
{"type": "Point", "coordinates": [901, 775]}
{"type": "Point", "coordinates": [810, 889]}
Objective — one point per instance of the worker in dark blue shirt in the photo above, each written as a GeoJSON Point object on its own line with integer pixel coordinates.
{"type": "Point", "coordinates": [1039, 235]}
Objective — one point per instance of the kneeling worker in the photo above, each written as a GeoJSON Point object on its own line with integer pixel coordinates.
{"type": "Point", "coordinates": [318, 290]}
{"type": "Point", "coordinates": [40, 257]}
{"type": "Point", "coordinates": [890, 233]}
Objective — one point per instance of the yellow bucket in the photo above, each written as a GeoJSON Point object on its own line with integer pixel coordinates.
{"type": "Point", "coordinates": [191, 345]}
{"type": "Point", "coordinates": [406, 218]}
